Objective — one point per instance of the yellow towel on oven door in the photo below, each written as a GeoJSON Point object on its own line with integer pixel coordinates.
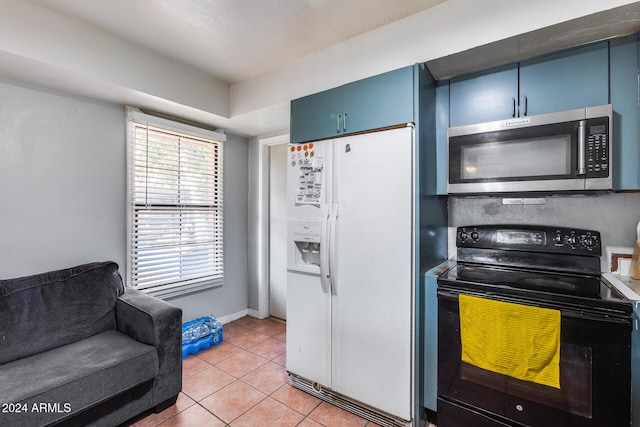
{"type": "Point", "coordinates": [517, 340]}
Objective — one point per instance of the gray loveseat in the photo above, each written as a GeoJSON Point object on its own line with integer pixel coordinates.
{"type": "Point", "coordinates": [76, 348]}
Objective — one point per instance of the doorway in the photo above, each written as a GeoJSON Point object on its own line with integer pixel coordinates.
{"type": "Point", "coordinates": [270, 257]}
{"type": "Point", "coordinates": [277, 230]}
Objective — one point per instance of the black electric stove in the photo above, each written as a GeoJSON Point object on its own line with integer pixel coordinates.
{"type": "Point", "coordinates": [549, 267]}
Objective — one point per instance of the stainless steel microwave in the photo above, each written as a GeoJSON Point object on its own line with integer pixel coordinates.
{"type": "Point", "coordinates": [556, 152]}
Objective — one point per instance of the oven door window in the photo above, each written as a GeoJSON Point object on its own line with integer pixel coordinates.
{"type": "Point", "coordinates": [573, 397]}
{"type": "Point", "coordinates": [535, 153]}
{"type": "Point", "coordinates": [595, 380]}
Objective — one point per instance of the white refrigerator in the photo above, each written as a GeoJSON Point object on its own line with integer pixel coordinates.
{"type": "Point", "coordinates": [350, 272]}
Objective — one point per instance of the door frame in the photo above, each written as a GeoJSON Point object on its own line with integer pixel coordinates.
{"type": "Point", "coordinates": [263, 220]}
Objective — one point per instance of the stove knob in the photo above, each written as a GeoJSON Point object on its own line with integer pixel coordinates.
{"type": "Point", "coordinates": [474, 235]}
{"type": "Point", "coordinates": [463, 236]}
{"type": "Point", "coordinates": [558, 239]}
{"type": "Point", "coordinates": [588, 242]}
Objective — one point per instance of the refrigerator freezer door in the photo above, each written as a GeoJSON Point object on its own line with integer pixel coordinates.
{"type": "Point", "coordinates": [308, 328]}
{"type": "Point", "coordinates": [308, 293]}
{"type": "Point", "coordinates": [373, 307]}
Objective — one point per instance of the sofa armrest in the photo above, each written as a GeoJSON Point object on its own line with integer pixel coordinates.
{"type": "Point", "coordinates": [155, 322]}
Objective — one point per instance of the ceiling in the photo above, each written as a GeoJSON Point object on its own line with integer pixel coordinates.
{"type": "Point", "coordinates": [236, 40]}
{"type": "Point", "coordinates": [236, 64]}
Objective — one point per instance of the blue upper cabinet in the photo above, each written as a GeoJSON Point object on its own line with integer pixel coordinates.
{"type": "Point", "coordinates": [380, 101]}
{"type": "Point", "coordinates": [576, 78]}
{"type": "Point", "coordinates": [566, 80]}
{"type": "Point", "coordinates": [376, 102]}
{"type": "Point", "coordinates": [484, 97]}
{"type": "Point", "coordinates": [316, 116]}
{"type": "Point", "coordinates": [625, 58]}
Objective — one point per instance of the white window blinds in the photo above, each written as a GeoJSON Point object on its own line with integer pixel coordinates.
{"type": "Point", "coordinates": [176, 201]}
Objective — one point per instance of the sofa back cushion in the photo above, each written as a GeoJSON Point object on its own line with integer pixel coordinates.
{"type": "Point", "coordinates": [48, 310]}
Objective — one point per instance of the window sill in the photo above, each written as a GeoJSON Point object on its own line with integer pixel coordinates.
{"type": "Point", "coordinates": [171, 291]}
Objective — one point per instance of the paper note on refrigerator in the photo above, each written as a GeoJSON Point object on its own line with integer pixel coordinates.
{"type": "Point", "coordinates": [310, 181]}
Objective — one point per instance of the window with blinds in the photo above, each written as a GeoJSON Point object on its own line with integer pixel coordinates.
{"type": "Point", "coordinates": [176, 201]}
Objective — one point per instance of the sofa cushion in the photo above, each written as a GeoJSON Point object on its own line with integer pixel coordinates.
{"type": "Point", "coordinates": [48, 310]}
{"type": "Point", "coordinates": [75, 376]}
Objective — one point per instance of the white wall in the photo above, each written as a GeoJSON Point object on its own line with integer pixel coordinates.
{"type": "Point", "coordinates": [63, 192]}
{"type": "Point", "coordinates": [39, 45]}
{"type": "Point", "coordinates": [62, 180]}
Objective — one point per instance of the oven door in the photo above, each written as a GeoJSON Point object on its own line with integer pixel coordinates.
{"type": "Point", "coordinates": [595, 374]}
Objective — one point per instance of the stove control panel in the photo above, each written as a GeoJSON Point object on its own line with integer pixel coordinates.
{"type": "Point", "coordinates": [530, 238]}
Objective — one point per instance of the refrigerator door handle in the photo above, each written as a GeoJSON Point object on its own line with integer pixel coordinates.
{"type": "Point", "coordinates": [332, 249]}
{"type": "Point", "coordinates": [325, 279]}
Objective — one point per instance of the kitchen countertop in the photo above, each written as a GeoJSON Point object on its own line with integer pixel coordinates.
{"type": "Point", "coordinates": [629, 287]}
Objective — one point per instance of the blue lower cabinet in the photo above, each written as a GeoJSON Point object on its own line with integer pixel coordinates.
{"type": "Point", "coordinates": [430, 334]}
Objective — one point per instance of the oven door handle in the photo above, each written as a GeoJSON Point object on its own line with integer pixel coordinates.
{"type": "Point", "coordinates": [608, 316]}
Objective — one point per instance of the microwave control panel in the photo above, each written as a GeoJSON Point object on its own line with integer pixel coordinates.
{"type": "Point", "coordinates": [597, 147]}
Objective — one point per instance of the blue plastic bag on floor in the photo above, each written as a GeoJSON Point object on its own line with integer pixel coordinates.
{"type": "Point", "coordinates": [199, 334]}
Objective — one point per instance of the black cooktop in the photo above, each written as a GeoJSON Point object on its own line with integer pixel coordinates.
{"type": "Point", "coordinates": [554, 264]}
{"type": "Point", "coordinates": [582, 286]}
{"type": "Point", "coordinates": [572, 291]}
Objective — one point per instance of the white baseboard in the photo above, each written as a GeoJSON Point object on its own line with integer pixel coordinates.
{"type": "Point", "coordinates": [235, 316]}
{"type": "Point", "coordinates": [231, 317]}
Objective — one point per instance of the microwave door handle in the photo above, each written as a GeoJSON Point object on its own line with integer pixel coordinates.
{"type": "Point", "coordinates": [582, 148]}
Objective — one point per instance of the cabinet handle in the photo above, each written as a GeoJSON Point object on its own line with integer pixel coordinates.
{"type": "Point", "coordinates": [338, 123]}
{"type": "Point", "coordinates": [344, 123]}
{"type": "Point", "coordinates": [525, 105]}
{"type": "Point", "coordinates": [514, 106]}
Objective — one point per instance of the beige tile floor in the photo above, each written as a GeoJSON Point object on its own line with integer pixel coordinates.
{"type": "Point", "coordinates": [243, 382]}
